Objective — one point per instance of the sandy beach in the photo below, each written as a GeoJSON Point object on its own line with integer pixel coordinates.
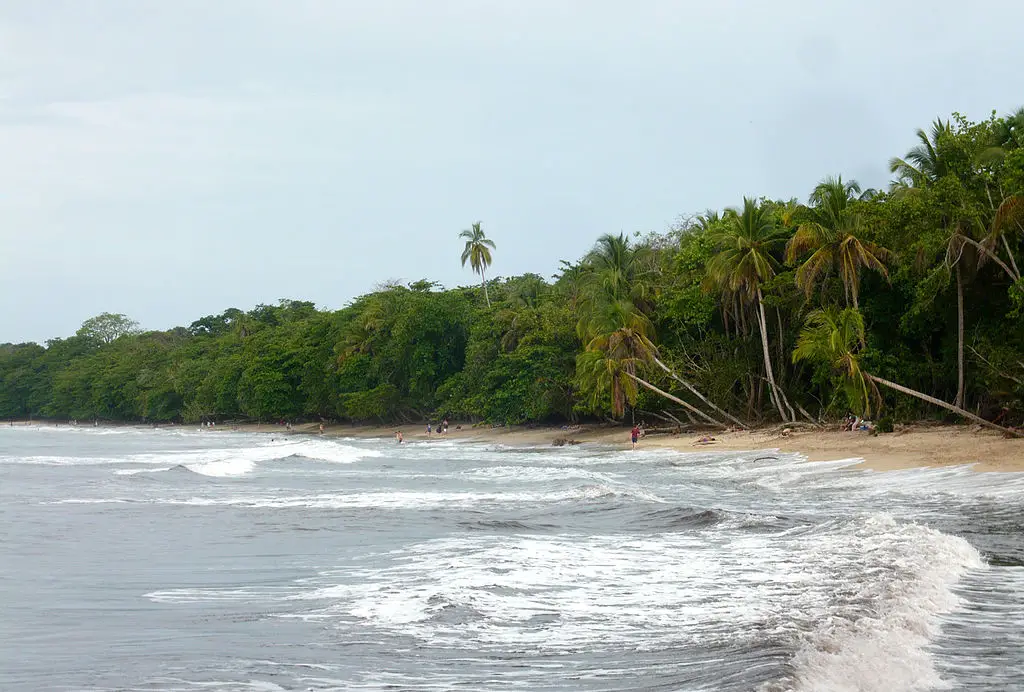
{"type": "Point", "coordinates": [908, 447]}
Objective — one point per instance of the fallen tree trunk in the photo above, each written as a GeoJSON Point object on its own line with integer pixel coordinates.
{"type": "Point", "coordinates": [942, 404]}
{"type": "Point", "coordinates": [688, 407]}
{"type": "Point", "coordinates": [693, 390]}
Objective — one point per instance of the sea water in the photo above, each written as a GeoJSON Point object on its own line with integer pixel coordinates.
{"type": "Point", "coordinates": [135, 559]}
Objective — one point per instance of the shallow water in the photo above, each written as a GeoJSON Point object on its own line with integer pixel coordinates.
{"type": "Point", "coordinates": [161, 560]}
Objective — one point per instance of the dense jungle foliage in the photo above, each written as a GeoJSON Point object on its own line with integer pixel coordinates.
{"type": "Point", "coordinates": [772, 310]}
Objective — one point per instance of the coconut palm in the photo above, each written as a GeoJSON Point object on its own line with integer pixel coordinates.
{"type": "Point", "coordinates": [621, 270]}
{"type": "Point", "coordinates": [925, 163]}
{"type": "Point", "coordinates": [831, 231]}
{"type": "Point", "coordinates": [743, 265]}
{"type": "Point", "coordinates": [833, 336]}
{"type": "Point", "coordinates": [619, 345]}
{"type": "Point", "coordinates": [478, 253]}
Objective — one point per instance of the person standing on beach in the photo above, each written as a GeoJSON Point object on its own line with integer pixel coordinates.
{"type": "Point", "coordinates": [428, 429]}
{"type": "Point", "coordinates": [634, 435]}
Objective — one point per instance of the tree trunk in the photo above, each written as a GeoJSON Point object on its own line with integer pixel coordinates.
{"type": "Point", "coordinates": [959, 338]}
{"type": "Point", "coordinates": [693, 390]}
{"type": "Point", "coordinates": [781, 342]}
{"type": "Point", "coordinates": [808, 416]}
{"type": "Point", "coordinates": [483, 282]}
{"type": "Point", "coordinates": [1009, 253]}
{"type": "Point", "coordinates": [768, 356]}
{"type": "Point", "coordinates": [688, 407]}
{"type": "Point", "coordinates": [939, 402]}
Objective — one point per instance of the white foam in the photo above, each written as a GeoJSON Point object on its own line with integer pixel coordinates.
{"type": "Point", "coordinates": [334, 452]}
{"type": "Point", "coordinates": [537, 474]}
{"type": "Point", "coordinates": [222, 595]}
{"type": "Point", "coordinates": [201, 461]}
{"type": "Point", "coordinates": [134, 472]}
{"type": "Point", "coordinates": [886, 647]}
{"type": "Point", "coordinates": [223, 468]}
{"type": "Point", "coordinates": [860, 600]}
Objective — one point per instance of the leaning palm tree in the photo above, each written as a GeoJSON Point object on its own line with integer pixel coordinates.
{"type": "Point", "coordinates": [619, 345]}
{"type": "Point", "coordinates": [831, 231]}
{"type": "Point", "coordinates": [833, 337]}
{"type": "Point", "coordinates": [744, 263]}
{"type": "Point", "coordinates": [478, 253]}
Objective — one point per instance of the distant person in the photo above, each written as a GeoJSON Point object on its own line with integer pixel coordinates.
{"type": "Point", "coordinates": [321, 428]}
{"type": "Point", "coordinates": [398, 436]}
{"type": "Point", "coordinates": [634, 435]}
{"type": "Point", "coordinates": [428, 429]}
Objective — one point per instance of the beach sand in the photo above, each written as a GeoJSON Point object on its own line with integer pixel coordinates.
{"type": "Point", "coordinates": [908, 447]}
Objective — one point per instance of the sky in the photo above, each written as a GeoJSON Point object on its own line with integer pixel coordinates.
{"type": "Point", "coordinates": [171, 159]}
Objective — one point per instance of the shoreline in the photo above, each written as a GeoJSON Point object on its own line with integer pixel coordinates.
{"type": "Point", "coordinates": [911, 446]}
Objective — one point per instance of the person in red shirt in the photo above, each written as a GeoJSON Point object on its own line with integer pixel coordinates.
{"type": "Point", "coordinates": [634, 435]}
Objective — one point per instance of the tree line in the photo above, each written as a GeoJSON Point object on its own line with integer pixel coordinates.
{"type": "Point", "coordinates": [902, 303]}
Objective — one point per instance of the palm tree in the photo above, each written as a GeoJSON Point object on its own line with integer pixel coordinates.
{"type": "Point", "coordinates": [621, 270]}
{"type": "Point", "coordinates": [619, 345]}
{"type": "Point", "coordinates": [831, 231]}
{"type": "Point", "coordinates": [743, 265]}
{"type": "Point", "coordinates": [478, 253]}
{"type": "Point", "coordinates": [833, 336]}
{"type": "Point", "coordinates": [925, 163]}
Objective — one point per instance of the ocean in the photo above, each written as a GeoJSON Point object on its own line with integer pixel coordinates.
{"type": "Point", "coordinates": [136, 559]}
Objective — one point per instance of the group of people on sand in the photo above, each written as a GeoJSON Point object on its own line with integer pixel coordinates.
{"type": "Point", "coordinates": [441, 429]}
{"type": "Point", "coordinates": [854, 423]}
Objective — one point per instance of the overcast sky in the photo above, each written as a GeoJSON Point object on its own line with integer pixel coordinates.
{"type": "Point", "coordinates": [169, 159]}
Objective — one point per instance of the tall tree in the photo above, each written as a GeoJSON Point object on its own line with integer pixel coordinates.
{"type": "Point", "coordinates": [925, 163]}
{"type": "Point", "coordinates": [833, 232]}
{"type": "Point", "coordinates": [478, 253]}
{"type": "Point", "coordinates": [106, 327]}
{"type": "Point", "coordinates": [743, 265]}
{"type": "Point", "coordinates": [932, 166]}
{"type": "Point", "coordinates": [622, 270]}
